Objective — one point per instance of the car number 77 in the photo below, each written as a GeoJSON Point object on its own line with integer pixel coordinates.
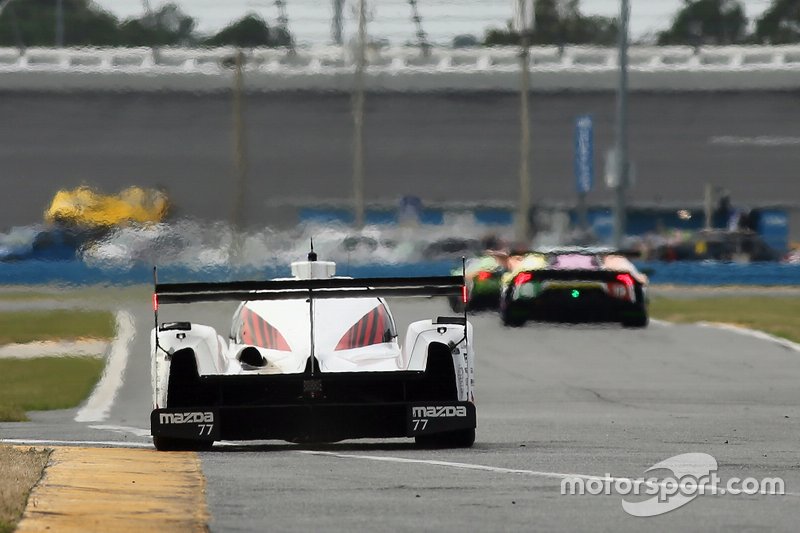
{"type": "Point", "coordinates": [418, 421]}
{"type": "Point", "coordinates": [205, 428]}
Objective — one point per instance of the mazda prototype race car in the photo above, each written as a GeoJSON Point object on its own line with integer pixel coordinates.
{"type": "Point", "coordinates": [575, 285]}
{"type": "Point", "coordinates": [314, 358]}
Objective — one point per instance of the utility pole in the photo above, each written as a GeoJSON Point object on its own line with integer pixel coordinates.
{"type": "Point", "coordinates": [283, 23]}
{"type": "Point", "coordinates": [358, 118]}
{"type": "Point", "coordinates": [239, 156]}
{"type": "Point", "coordinates": [154, 21]}
{"type": "Point", "coordinates": [621, 152]}
{"type": "Point", "coordinates": [523, 207]}
{"type": "Point", "coordinates": [422, 37]}
{"type": "Point", "coordinates": [336, 23]}
{"type": "Point", "coordinates": [59, 23]}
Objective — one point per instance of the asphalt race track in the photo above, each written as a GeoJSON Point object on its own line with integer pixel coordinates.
{"type": "Point", "coordinates": [552, 400]}
{"type": "Point", "coordinates": [436, 146]}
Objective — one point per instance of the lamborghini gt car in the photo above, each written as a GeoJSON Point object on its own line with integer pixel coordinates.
{"type": "Point", "coordinates": [574, 285]}
{"type": "Point", "coordinates": [314, 358]}
{"type": "Point", "coordinates": [84, 207]}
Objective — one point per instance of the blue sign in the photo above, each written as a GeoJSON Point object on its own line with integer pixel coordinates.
{"type": "Point", "coordinates": [584, 154]}
{"type": "Point", "coordinates": [773, 225]}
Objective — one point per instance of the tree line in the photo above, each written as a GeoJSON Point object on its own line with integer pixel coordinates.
{"type": "Point", "coordinates": [697, 23]}
{"type": "Point", "coordinates": [26, 23]}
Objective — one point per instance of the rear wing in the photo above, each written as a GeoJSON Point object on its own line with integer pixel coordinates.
{"type": "Point", "coordinates": [575, 274]}
{"type": "Point", "coordinates": [182, 293]}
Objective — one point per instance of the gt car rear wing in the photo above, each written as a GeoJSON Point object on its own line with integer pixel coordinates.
{"type": "Point", "coordinates": [574, 274]}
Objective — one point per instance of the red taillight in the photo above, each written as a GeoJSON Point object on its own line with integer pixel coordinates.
{"type": "Point", "coordinates": [626, 279]}
{"type": "Point", "coordinates": [523, 278]}
{"type": "Point", "coordinates": [484, 275]}
{"type": "Point", "coordinates": [464, 293]}
{"type": "Point", "coordinates": [155, 302]}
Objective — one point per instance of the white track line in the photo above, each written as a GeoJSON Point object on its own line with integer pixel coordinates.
{"type": "Point", "coordinates": [32, 350]}
{"type": "Point", "coordinates": [49, 442]}
{"type": "Point", "coordinates": [661, 323]}
{"type": "Point", "coordinates": [138, 432]}
{"type": "Point", "coordinates": [754, 333]}
{"type": "Point", "coordinates": [99, 404]}
{"type": "Point", "coordinates": [500, 470]}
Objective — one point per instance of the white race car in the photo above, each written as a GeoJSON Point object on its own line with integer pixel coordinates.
{"type": "Point", "coordinates": [314, 358]}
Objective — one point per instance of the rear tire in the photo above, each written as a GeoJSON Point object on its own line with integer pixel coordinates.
{"type": "Point", "coordinates": [636, 319]}
{"type": "Point", "coordinates": [512, 316]}
{"type": "Point", "coordinates": [457, 305]}
{"type": "Point", "coordinates": [463, 438]}
{"type": "Point", "coordinates": [184, 390]}
{"type": "Point", "coordinates": [640, 322]}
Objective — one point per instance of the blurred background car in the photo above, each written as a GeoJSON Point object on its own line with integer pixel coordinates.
{"type": "Point", "coordinates": [85, 207]}
{"type": "Point", "coordinates": [482, 276]}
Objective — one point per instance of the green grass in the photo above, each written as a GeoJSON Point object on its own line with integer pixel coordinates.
{"type": "Point", "coordinates": [97, 294]}
{"type": "Point", "coordinates": [776, 315]}
{"type": "Point", "coordinates": [20, 469]}
{"type": "Point", "coordinates": [29, 326]}
{"type": "Point", "coordinates": [45, 383]}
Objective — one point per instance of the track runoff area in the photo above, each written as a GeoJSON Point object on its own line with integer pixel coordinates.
{"type": "Point", "coordinates": [570, 418]}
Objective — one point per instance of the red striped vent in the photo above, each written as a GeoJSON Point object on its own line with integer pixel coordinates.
{"type": "Point", "coordinates": [367, 331]}
{"type": "Point", "coordinates": [258, 332]}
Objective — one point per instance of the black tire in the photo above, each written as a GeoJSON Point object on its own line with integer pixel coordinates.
{"type": "Point", "coordinates": [512, 316]}
{"type": "Point", "coordinates": [166, 444]}
{"type": "Point", "coordinates": [184, 390]}
{"type": "Point", "coordinates": [635, 319]}
{"type": "Point", "coordinates": [457, 305]}
{"type": "Point", "coordinates": [636, 322]}
{"type": "Point", "coordinates": [463, 438]}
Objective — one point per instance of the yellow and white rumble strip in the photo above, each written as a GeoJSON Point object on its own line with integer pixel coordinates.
{"type": "Point", "coordinates": [118, 489]}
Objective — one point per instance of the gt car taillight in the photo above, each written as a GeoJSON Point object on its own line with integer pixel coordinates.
{"type": "Point", "coordinates": [523, 278]}
{"type": "Point", "coordinates": [155, 302]}
{"type": "Point", "coordinates": [626, 279]}
{"type": "Point", "coordinates": [484, 275]}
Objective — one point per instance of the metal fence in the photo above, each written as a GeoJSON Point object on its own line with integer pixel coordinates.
{"type": "Point", "coordinates": [402, 68]}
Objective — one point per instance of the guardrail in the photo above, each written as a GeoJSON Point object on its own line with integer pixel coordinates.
{"type": "Point", "coordinates": [401, 68]}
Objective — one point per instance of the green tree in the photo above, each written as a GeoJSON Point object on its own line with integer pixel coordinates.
{"type": "Point", "coordinates": [248, 32]}
{"type": "Point", "coordinates": [779, 24]}
{"type": "Point", "coordinates": [165, 27]}
{"type": "Point", "coordinates": [559, 22]}
{"type": "Point", "coordinates": [698, 22]}
{"type": "Point", "coordinates": [33, 23]}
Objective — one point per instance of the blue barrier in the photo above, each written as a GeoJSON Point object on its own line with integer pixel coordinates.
{"type": "Point", "coordinates": [709, 273]}
{"type": "Point", "coordinates": [78, 273]}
